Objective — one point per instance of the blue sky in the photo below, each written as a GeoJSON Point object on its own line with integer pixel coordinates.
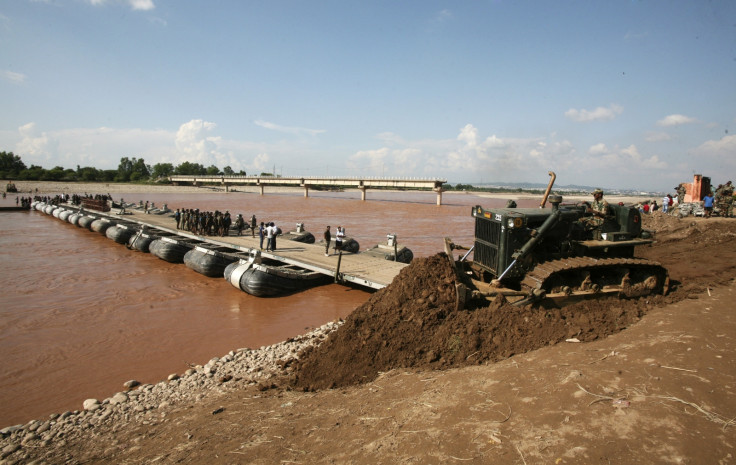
{"type": "Point", "coordinates": [626, 94]}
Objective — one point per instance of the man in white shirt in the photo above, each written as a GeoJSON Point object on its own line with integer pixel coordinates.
{"type": "Point", "coordinates": [269, 236]}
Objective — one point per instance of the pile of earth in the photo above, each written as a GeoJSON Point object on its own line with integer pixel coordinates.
{"type": "Point", "coordinates": [413, 322]}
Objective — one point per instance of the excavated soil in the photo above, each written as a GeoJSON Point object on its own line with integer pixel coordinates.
{"type": "Point", "coordinates": [413, 323]}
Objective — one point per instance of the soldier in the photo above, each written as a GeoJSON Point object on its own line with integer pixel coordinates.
{"type": "Point", "coordinates": [723, 198]}
{"type": "Point", "coordinates": [680, 194]}
{"type": "Point", "coordinates": [727, 196]}
{"type": "Point", "coordinates": [226, 222]}
{"type": "Point", "coordinates": [599, 210]}
{"type": "Point", "coordinates": [240, 224]}
{"type": "Point", "coordinates": [253, 225]}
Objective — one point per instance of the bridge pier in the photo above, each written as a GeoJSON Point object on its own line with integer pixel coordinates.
{"type": "Point", "coordinates": [439, 195]}
{"type": "Point", "coordinates": [261, 186]}
{"type": "Point", "coordinates": [362, 192]}
{"type": "Point", "coordinates": [306, 190]}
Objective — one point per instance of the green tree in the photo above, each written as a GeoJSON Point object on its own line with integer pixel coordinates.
{"type": "Point", "coordinates": [141, 171]}
{"type": "Point", "coordinates": [10, 165]}
{"type": "Point", "coordinates": [54, 174]}
{"type": "Point", "coordinates": [125, 169]}
{"type": "Point", "coordinates": [162, 170]}
{"type": "Point", "coordinates": [108, 175]}
{"type": "Point", "coordinates": [227, 171]}
{"type": "Point", "coordinates": [34, 173]}
{"type": "Point", "coordinates": [212, 170]}
{"type": "Point", "coordinates": [134, 169]}
{"type": "Point", "coordinates": [88, 174]}
{"type": "Point", "coordinates": [190, 169]}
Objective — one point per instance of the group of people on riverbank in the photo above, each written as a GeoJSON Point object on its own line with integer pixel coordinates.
{"type": "Point", "coordinates": [719, 200]}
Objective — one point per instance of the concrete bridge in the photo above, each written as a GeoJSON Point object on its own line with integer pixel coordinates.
{"type": "Point", "coordinates": [362, 184]}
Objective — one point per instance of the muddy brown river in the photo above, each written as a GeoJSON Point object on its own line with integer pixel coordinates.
{"type": "Point", "coordinates": [81, 314]}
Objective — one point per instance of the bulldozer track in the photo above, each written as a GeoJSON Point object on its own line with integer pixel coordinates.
{"type": "Point", "coordinates": [539, 276]}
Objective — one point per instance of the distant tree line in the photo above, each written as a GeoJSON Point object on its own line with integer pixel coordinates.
{"type": "Point", "coordinates": [129, 170]}
{"type": "Point", "coordinates": [137, 171]}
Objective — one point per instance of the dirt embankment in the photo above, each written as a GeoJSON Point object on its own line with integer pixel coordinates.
{"type": "Point", "coordinates": [413, 324]}
{"type": "Point", "coordinates": [407, 378]}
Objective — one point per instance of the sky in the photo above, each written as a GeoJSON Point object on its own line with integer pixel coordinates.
{"type": "Point", "coordinates": [633, 94]}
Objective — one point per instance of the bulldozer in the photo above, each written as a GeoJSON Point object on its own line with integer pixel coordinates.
{"type": "Point", "coordinates": [547, 256]}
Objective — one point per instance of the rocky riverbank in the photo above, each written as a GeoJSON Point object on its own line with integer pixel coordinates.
{"type": "Point", "coordinates": [149, 404]}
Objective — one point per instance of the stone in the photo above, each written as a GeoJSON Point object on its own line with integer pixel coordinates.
{"type": "Point", "coordinates": [119, 398]}
{"type": "Point", "coordinates": [9, 449]}
{"type": "Point", "coordinates": [131, 384]}
{"type": "Point", "coordinates": [10, 430]}
{"type": "Point", "coordinates": [91, 405]}
{"type": "Point", "coordinates": [45, 426]}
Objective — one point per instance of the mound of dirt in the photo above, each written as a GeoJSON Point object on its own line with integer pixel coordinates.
{"type": "Point", "coordinates": [699, 253]}
{"type": "Point", "coordinates": [412, 323]}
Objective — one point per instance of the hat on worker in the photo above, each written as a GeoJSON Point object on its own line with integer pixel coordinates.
{"type": "Point", "coordinates": [597, 191]}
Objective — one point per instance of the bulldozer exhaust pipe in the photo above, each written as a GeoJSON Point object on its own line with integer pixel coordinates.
{"type": "Point", "coordinates": [549, 189]}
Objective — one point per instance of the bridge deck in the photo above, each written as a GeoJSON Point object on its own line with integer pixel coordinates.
{"type": "Point", "coordinates": [360, 269]}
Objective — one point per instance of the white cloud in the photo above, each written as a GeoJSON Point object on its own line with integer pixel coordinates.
{"type": "Point", "coordinates": [144, 5]}
{"type": "Point", "coordinates": [33, 144]}
{"type": "Point", "coordinates": [17, 78]}
{"type": "Point", "coordinates": [723, 149]}
{"type": "Point", "coordinates": [657, 137]}
{"type": "Point", "coordinates": [466, 157]}
{"type": "Point", "coordinates": [193, 143]}
{"type": "Point", "coordinates": [598, 149]}
{"type": "Point", "coordinates": [675, 120]}
{"type": "Point", "coordinates": [141, 5]}
{"type": "Point", "coordinates": [468, 135]}
{"type": "Point", "coordinates": [288, 129]}
{"type": "Point", "coordinates": [599, 114]}
{"type": "Point", "coordinates": [260, 163]}
{"type": "Point", "coordinates": [371, 161]}
{"type": "Point", "coordinates": [621, 160]}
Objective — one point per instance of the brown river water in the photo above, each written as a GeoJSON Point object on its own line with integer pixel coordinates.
{"type": "Point", "coordinates": [81, 314]}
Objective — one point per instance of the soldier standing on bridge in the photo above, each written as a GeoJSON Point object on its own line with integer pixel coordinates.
{"type": "Point", "coordinates": [328, 238]}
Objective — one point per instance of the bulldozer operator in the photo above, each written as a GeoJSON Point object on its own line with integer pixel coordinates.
{"type": "Point", "coordinates": [599, 212]}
